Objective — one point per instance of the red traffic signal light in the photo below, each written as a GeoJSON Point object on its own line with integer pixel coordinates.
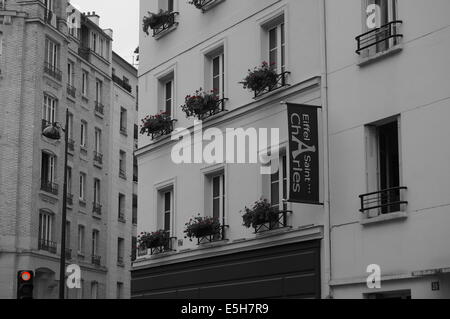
{"type": "Point", "coordinates": [25, 286]}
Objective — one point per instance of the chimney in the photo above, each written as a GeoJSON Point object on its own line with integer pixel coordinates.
{"type": "Point", "coordinates": [94, 17]}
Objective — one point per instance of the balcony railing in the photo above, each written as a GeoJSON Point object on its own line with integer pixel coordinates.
{"type": "Point", "coordinates": [166, 130]}
{"type": "Point", "coordinates": [96, 260]}
{"type": "Point", "coordinates": [210, 238]}
{"type": "Point", "coordinates": [53, 71]}
{"type": "Point", "coordinates": [281, 82]}
{"type": "Point", "coordinates": [220, 108]}
{"type": "Point", "coordinates": [166, 23]}
{"type": "Point", "coordinates": [85, 53]}
{"type": "Point", "coordinates": [278, 223]}
{"type": "Point", "coordinates": [385, 201]}
{"type": "Point", "coordinates": [49, 187]}
{"type": "Point", "coordinates": [120, 262]}
{"type": "Point", "coordinates": [45, 124]}
{"type": "Point", "coordinates": [122, 173]}
{"type": "Point", "coordinates": [379, 36]}
{"type": "Point", "coordinates": [99, 108]}
{"type": "Point", "coordinates": [97, 209]}
{"type": "Point", "coordinates": [121, 217]}
{"type": "Point", "coordinates": [126, 86]}
{"type": "Point", "coordinates": [98, 158]}
{"type": "Point", "coordinates": [71, 90]}
{"type": "Point", "coordinates": [68, 254]}
{"type": "Point", "coordinates": [47, 245]}
{"type": "Point", "coordinates": [205, 4]}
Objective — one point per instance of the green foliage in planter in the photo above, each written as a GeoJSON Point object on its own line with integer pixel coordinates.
{"type": "Point", "coordinates": [155, 20]}
{"type": "Point", "coordinates": [260, 78]}
{"type": "Point", "coordinates": [152, 240]}
{"type": "Point", "coordinates": [261, 213]}
{"type": "Point", "coordinates": [200, 103]}
{"type": "Point", "coordinates": [199, 227]}
{"type": "Point", "coordinates": [155, 124]}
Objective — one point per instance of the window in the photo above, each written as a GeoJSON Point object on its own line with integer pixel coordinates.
{"type": "Point", "coordinates": [122, 201]}
{"type": "Point", "coordinates": [83, 138]}
{"type": "Point", "coordinates": [135, 170]}
{"type": "Point", "coordinates": [135, 209]}
{"type": "Point", "coordinates": [165, 203]}
{"type": "Point", "coordinates": [94, 46]}
{"type": "Point", "coordinates": [218, 197]}
{"type": "Point", "coordinates": [51, 54]}
{"type": "Point", "coordinates": [95, 242]}
{"type": "Point", "coordinates": [218, 75]}
{"type": "Point", "coordinates": [49, 5]}
{"type": "Point", "coordinates": [378, 14]}
{"type": "Point", "coordinates": [98, 91]}
{"type": "Point", "coordinates": [383, 163]}
{"type": "Point", "coordinates": [45, 230]}
{"type": "Point", "coordinates": [133, 248]}
{"type": "Point", "coordinates": [70, 73]}
{"type": "Point", "coordinates": [120, 251]}
{"type": "Point", "coordinates": [49, 110]}
{"type": "Point", "coordinates": [98, 141]}
{"type": "Point", "coordinates": [119, 290]}
{"type": "Point", "coordinates": [48, 168]}
{"type": "Point", "coordinates": [277, 48]}
{"type": "Point", "coordinates": [123, 164]}
{"type": "Point", "coordinates": [97, 191]}
{"type": "Point", "coordinates": [67, 235]}
{"type": "Point", "coordinates": [70, 127]}
{"type": "Point", "coordinates": [166, 5]}
{"type": "Point", "coordinates": [82, 187]}
{"type": "Point", "coordinates": [69, 180]}
{"type": "Point", "coordinates": [81, 240]}
{"type": "Point", "coordinates": [102, 47]}
{"type": "Point", "coordinates": [123, 120]}
{"type": "Point", "coordinates": [94, 290]}
{"type": "Point", "coordinates": [168, 97]}
{"type": "Point", "coordinates": [278, 184]}
{"type": "Point", "coordinates": [84, 83]}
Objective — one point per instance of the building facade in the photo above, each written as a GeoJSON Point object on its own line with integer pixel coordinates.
{"type": "Point", "coordinates": [212, 45]}
{"type": "Point", "coordinates": [388, 112]}
{"type": "Point", "coordinates": [55, 62]}
{"type": "Point", "coordinates": [378, 70]}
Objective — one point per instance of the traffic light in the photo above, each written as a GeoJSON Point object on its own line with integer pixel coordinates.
{"type": "Point", "coordinates": [25, 280]}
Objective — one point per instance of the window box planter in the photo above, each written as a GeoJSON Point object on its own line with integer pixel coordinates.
{"type": "Point", "coordinates": [264, 217]}
{"type": "Point", "coordinates": [157, 125]}
{"type": "Point", "coordinates": [159, 22]}
{"type": "Point", "coordinates": [264, 79]}
{"type": "Point", "coordinates": [203, 104]}
{"type": "Point", "coordinates": [205, 5]}
{"type": "Point", "coordinates": [205, 230]}
{"type": "Point", "coordinates": [158, 242]}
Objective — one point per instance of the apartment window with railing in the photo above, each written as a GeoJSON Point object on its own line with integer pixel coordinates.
{"type": "Point", "coordinates": [46, 242]}
{"type": "Point", "coordinates": [71, 91]}
{"type": "Point", "coordinates": [165, 208]}
{"type": "Point", "coordinates": [83, 136]}
{"type": "Point", "coordinates": [51, 66]}
{"type": "Point", "coordinates": [381, 27]}
{"type": "Point", "coordinates": [123, 120]}
{"type": "Point", "coordinates": [122, 164]}
{"type": "Point", "coordinates": [81, 240]}
{"type": "Point", "coordinates": [69, 186]}
{"type": "Point", "coordinates": [383, 169]}
{"type": "Point", "coordinates": [84, 83]}
{"type": "Point", "coordinates": [97, 207]}
{"type": "Point", "coordinates": [98, 156]}
{"type": "Point", "coordinates": [120, 252]}
{"type": "Point", "coordinates": [96, 259]}
{"type": "Point", "coordinates": [277, 48]}
{"type": "Point", "coordinates": [135, 209]}
{"type": "Point", "coordinates": [121, 208]}
{"type": "Point", "coordinates": [48, 111]}
{"type": "Point", "coordinates": [68, 251]}
{"type": "Point", "coordinates": [98, 91]}
{"type": "Point", "coordinates": [82, 187]}
{"type": "Point", "coordinates": [71, 142]}
{"type": "Point", "coordinates": [168, 97]}
{"type": "Point", "coordinates": [48, 172]}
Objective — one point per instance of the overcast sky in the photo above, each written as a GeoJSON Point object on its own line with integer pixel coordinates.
{"type": "Point", "coordinates": [123, 19]}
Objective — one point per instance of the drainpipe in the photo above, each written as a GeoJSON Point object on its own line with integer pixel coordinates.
{"type": "Point", "coordinates": [324, 94]}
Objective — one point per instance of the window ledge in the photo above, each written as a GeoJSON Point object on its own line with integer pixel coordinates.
{"type": "Point", "coordinates": [274, 232]}
{"type": "Point", "coordinates": [167, 31]}
{"type": "Point", "coordinates": [384, 218]}
{"type": "Point", "coordinates": [363, 61]}
{"type": "Point", "coordinates": [217, 243]}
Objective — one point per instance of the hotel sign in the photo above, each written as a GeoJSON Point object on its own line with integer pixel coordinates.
{"type": "Point", "coordinates": [304, 163]}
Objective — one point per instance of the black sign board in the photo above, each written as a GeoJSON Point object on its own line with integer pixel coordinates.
{"type": "Point", "coordinates": [304, 169]}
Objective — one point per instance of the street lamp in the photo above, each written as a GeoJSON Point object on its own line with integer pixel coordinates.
{"type": "Point", "coordinates": [53, 132]}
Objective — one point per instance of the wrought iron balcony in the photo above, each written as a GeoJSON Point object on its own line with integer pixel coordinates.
{"type": "Point", "coordinates": [165, 246]}
{"type": "Point", "coordinates": [126, 86]}
{"type": "Point", "coordinates": [99, 108]}
{"type": "Point", "coordinates": [167, 22]}
{"type": "Point", "coordinates": [384, 202]}
{"type": "Point", "coordinates": [277, 223]}
{"type": "Point", "coordinates": [45, 124]}
{"type": "Point", "coordinates": [85, 53]}
{"type": "Point", "coordinates": [98, 158]}
{"type": "Point", "coordinates": [71, 90]}
{"type": "Point", "coordinates": [47, 245]}
{"type": "Point", "coordinates": [96, 260]}
{"type": "Point", "coordinates": [97, 209]}
{"type": "Point", "coordinates": [281, 82]}
{"type": "Point", "coordinates": [218, 235]}
{"type": "Point", "coordinates": [53, 71]}
{"type": "Point", "coordinates": [49, 187]}
{"type": "Point", "coordinates": [121, 217]}
{"type": "Point", "coordinates": [166, 130]}
{"type": "Point", "coordinates": [122, 173]}
{"type": "Point", "coordinates": [220, 108]}
{"type": "Point", "coordinates": [380, 35]}
{"type": "Point", "coordinates": [204, 5]}
{"type": "Point", "coordinates": [123, 130]}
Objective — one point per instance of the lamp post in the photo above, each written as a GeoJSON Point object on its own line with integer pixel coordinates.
{"type": "Point", "coordinates": [53, 132]}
